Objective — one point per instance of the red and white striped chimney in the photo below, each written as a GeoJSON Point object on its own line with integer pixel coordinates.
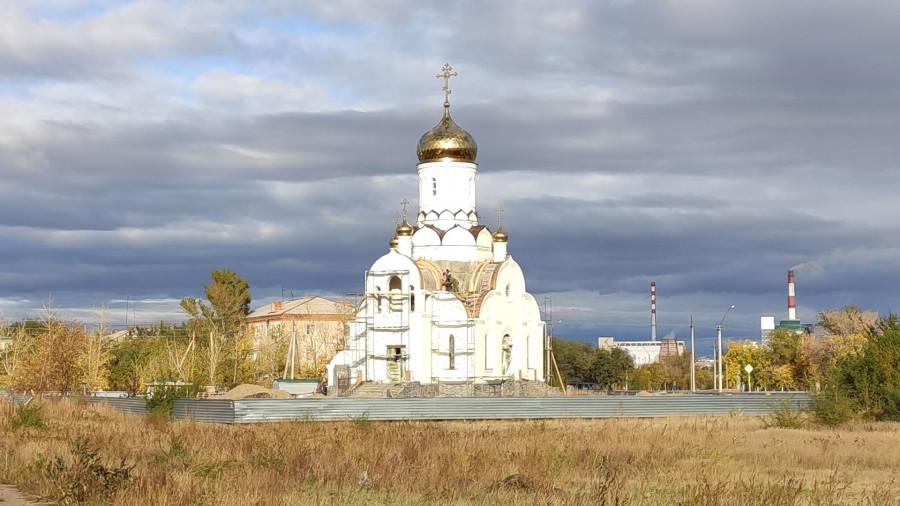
{"type": "Point", "coordinates": [653, 310]}
{"type": "Point", "coordinates": [792, 303]}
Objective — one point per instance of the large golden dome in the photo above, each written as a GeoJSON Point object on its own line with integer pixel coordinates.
{"type": "Point", "coordinates": [447, 142]}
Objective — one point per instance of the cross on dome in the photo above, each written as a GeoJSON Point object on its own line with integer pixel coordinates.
{"type": "Point", "coordinates": [405, 203]}
{"type": "Point", "coordinates": [499, 215]}
{"type": "Point", "coordinates": [447, 75]}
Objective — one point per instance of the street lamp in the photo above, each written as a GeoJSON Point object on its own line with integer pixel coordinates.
{"type": "Point", "coordinates": [719, 349]}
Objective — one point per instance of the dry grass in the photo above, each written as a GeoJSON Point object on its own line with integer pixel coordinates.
{"type": "Point", "coordinates": [697, 460]}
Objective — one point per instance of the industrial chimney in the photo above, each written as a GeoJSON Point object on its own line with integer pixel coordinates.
{"type": "Point", "coordinates": [653, 310]}
{"type": "Point", "coordinates": [792, 303]}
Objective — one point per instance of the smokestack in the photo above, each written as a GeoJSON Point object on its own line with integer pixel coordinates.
{"type": "Point", "coordinates": [653, 310]}
{"type": "Point", "coordinates": [792, 303]}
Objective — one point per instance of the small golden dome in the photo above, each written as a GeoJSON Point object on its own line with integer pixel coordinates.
{"type": "Point", "coordinates": [447, 142]}
{"type": "Point", "coordinates": [394, 242]}
{"type": "Point", "coordinates": [404, 229]}
{"type": "Point", "coordinates": [500, 235]}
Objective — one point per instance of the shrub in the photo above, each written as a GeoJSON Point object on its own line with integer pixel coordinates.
{"type": "Point", "coordinates": [161, 400]}
{"type": "Point", "coordinates": [833, 407]}
{"type": "Point", "coordinates": [27, 415]}
{"type": "Point", "coordinates": [85, 476]}
{"type": "Point", "coordinates": [785, 415]}
{"type": "Point", "coordinates": [891, 410]}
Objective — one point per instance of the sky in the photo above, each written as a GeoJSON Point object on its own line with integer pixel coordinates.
{"type": "Point", "coordinates": [708, 146]}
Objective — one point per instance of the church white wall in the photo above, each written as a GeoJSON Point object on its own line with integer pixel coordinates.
{"type": "Point", "coordinates": [447, 186]}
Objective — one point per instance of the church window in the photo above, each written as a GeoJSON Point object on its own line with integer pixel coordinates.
{"type": "Point", "coordinates": [434, 186]}
{"type": "Point", "coordinates": [310, 329]}
{"type": "Point", "coordinates": [412, 299]}
{"type": "Point", "coordinates": [377, 296]}
{"type": "Point", "coordinates": [452, 346]}
{"type": "Point", "coordinates": [508, 291]}
{"type": "Point", "coordinates": [396, 299]}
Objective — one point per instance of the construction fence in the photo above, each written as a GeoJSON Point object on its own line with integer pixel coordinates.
{"type": "Point", "coordinates": [472, 408]}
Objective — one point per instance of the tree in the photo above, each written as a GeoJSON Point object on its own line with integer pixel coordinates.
{"type": "Point", "coordinates": [646, 377]}
{"type": "Point", "coordinates": [574, 359]}
{"type": "Point", "coordinates": [871, 379]}
{"type": "Point", "coordinates": [610, 366]}
{"type": "Point", "coordinates": [223, 320]}
{"type": "Point", "coordinates": [741, 354]}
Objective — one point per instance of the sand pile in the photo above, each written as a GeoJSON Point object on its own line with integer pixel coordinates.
{"type": "Point", "coordinates": [246, 391]}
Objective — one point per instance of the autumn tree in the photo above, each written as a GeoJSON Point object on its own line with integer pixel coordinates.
{"type": "Point", "coordinates": [740, 354]}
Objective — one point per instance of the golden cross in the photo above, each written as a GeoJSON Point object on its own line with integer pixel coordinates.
{"type": "Point", "coordinates": [405, 203]}
{"type": "Point", "coordinates": [447, 75]}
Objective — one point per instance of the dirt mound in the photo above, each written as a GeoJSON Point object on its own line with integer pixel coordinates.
{"type": "Point", "coordinates": [246, 391]}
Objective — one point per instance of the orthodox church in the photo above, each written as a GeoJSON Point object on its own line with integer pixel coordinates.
{"type": "Point", "coordinates": [446, 303]}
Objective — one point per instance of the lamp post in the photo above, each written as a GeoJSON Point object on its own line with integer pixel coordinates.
{"type": "Point", "coordinates": [693, 359]}
{"type": "Point", "coordinates": [719, 349]}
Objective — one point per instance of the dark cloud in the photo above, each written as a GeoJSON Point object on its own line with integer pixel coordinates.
{"type": "Point", "coordinates": [707, 146]}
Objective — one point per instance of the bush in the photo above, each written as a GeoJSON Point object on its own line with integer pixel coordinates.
{"type": "Point", "coordinates": [28, 415]}
{"type": "Point", "coordinates": [833, 407]}
{"type": "Point", "coordinates": [85, 476]}
{"type": "Point", "coordinates": [785, 415]}
{"type": "Point", "coordinates": [160, 401]}
{"type": "Point", "coordinates": [891, 410]}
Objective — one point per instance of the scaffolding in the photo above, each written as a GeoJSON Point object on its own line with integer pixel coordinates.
{"type": "Point", "coordinates": [377, 322]}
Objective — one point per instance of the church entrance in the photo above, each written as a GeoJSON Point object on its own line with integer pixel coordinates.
{"type": "Point", "coordinates": [395, 366]}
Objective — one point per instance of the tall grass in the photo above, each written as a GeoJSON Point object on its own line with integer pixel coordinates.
{"type": "Point", "coordinates": [697, 460]}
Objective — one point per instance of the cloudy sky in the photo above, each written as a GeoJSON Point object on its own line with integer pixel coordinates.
{"type": "Point", "coordinates": [709, 146]}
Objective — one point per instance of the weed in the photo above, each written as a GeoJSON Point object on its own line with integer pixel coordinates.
{"type": "Point", "coordinates": [362, 421]}
{"type": "Point", "coordinates": [177, 455]}
{"type": "Point", "coordinates": [210, 468]}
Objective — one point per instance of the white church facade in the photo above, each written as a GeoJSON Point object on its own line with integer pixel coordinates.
{"type": "Point", "coordinates": [415, 322]}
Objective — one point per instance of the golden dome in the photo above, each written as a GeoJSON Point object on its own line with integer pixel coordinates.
{"type": "Point", "coordinates": [500, 235]}
{"type": "Point", "coordinates": [394, 242]}
{"type": "Point", "coordinates": [404, 229]}
{"type": "Point", "coordinates": [447, 142]}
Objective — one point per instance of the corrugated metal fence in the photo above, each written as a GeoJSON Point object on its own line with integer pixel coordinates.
{"type": "Point", "coordinates": [463, 408]}
{"type": "Point", "coordinates": [480, 408]}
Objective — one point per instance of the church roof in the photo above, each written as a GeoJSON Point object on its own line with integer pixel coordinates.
{"type": "Point", "coordinates": [447, 142]}
{"type": "Point", "coordinates": [475, 280]}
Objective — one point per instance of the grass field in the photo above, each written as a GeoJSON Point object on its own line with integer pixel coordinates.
{"type": "Point", "coordinates": [92, 454]}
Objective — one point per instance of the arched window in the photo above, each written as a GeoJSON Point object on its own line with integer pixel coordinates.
{"type": "Point", "coordinates": [377, 296]}
{"type": "Point", "coordinates": [412, 298]}
{"type": "Point", "coordinates": [452, 346]}
{"type": "Point", "coordinates": [396, 299]}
